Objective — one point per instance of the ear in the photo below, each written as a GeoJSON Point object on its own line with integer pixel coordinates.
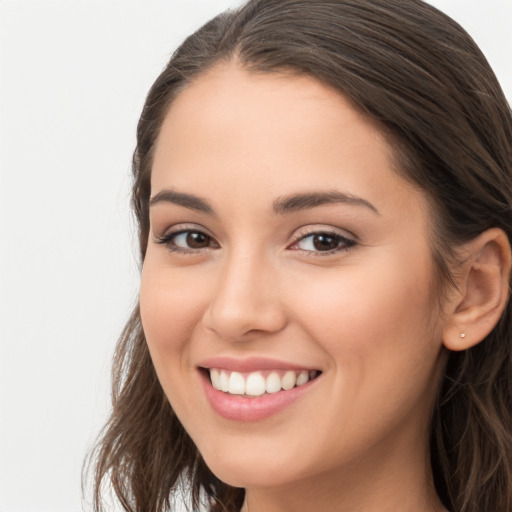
{"type": "Point", "coordinates": [482, 291]}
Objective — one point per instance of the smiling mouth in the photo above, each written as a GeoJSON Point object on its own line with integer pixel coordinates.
{"type": "Point", "coordinates": [258, 383]}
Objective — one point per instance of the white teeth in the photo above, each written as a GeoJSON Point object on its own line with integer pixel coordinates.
{"type": "Point", "coordinates": [236, 384]}
{"type": "Point", "coordinates": [255, 384]}
{"type": "Point", "coordinates": [215, 377]}
{"type": "Point", "coordinates": [302, 378]}
{"type": "Point", "coordinates": [289, 380]}
{"type": "Point", "coordinates": [224, 381]}
{"type": "Point", "coordinates": [273, 383]}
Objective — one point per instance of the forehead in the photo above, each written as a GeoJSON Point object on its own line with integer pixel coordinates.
{"type": "Point", "coordinates": [229, 94]}
{"type": "Point", "coordinates": [270, 131]}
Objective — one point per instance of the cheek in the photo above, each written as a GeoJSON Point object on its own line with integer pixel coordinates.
{"type": "Point", "coordinates": [383, 354]}
{"type": "Point", "coordinates": [374, 321]}
{"type": "Point", "coordinates": [170, 307]}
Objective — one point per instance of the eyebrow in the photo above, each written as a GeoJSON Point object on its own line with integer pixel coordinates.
{"type": "Point", "coordinates": [308, 200]}
{"type": "Point", "coordinates": [186, 200]}
{"type": "Point", "coordinates": [281, 206]}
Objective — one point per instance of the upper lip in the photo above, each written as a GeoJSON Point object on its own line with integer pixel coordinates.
{"type": "Point", "coordinates": [250, 364]}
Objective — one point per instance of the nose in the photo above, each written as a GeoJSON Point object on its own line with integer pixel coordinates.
{"type": "Point", "coordinates": [246, 301]}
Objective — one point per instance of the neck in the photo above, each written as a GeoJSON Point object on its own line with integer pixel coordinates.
{"type": "Point", "coordinates": [261, 501]}
{"type": "Point", "coordinates": [398, 485]}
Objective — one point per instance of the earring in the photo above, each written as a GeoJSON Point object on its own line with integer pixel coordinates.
{"type": "Point", "coordinates": [462, 334]}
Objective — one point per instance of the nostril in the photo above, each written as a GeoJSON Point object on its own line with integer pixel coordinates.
{"type": "Point", "coordinates": [241, 309]}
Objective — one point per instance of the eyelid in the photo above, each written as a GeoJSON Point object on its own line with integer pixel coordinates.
{"type": "Point", "coordinates": [306, 231]}
{"type": "Point", "coordinates": [170, 233]}
{"type": "Point", "coordinates": [347, 239]}
{"type": "Point", "coordinates": [182, 226]}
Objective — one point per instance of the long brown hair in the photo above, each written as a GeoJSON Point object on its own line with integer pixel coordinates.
{"type": "Point", "coordinates": [421, 77]}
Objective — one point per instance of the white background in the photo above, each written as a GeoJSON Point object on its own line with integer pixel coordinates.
{"type": "Point", "coordinates": [73, 77]}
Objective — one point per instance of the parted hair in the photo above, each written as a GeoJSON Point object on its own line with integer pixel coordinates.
{"type": "Point", "coordinates": [423, 80]}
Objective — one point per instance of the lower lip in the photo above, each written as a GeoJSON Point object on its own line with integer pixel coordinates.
{"type": "Point", "coordinates": [243, 408]}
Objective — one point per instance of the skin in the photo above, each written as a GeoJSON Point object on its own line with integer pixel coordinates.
{"type": "Point", "coordinates": [364, 315]}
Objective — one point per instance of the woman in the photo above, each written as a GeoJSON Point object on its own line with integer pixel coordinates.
{"type": "Point", "coordinates": [323, 190]}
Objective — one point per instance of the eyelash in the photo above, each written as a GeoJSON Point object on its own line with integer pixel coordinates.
{"type": "Point", "coordinates": [343, 243]}
{"type": "Point", "coordinates": [168, 240]}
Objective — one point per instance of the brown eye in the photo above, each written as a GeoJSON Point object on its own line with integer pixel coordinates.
{"type": "Point", "coordinates": [325, 242]}
{"type": "Point", "coordinates": [197, 240]}
{"type": "Point", "coordinates": [188, 241]}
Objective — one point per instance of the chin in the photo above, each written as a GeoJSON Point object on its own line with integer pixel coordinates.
{"type": "Point", "coordinates": [242, 473]}
{"type": "Point", "coordinates": [255, 465]}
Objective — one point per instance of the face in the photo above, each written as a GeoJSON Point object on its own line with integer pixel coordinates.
{"type": "Point", "coordinates": [289, 264]}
